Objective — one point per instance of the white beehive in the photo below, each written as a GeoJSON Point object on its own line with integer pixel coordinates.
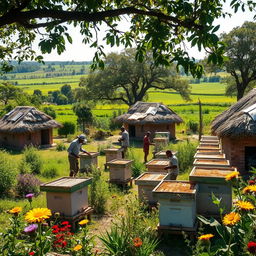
{"type": "Point", "coordinates": [177, 201]}
{"type": "Point", "coordinates": [88, 162]}
{"type": "Point", "coordinates": [120, 169]}
{"type": "Point", "coordinates": [160, 143]}
{"type": "Point", "coordinates": [68, 196]}
{"type": "Point", "coordinates": [113, 153]}
{"type": "Point", "coordinates": [210, 156]}
{"type": "Point", "coordinates": [212, 180]}
{"type": "Point", "coordinates": [211, 163]}
{"type": "Point", "coordinates": [157, 165]}
{"type": "Point", "coordinates": [146, 182]}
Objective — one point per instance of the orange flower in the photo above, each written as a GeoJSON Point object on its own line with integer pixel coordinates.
{"type": "Point", "coordinates": [15, 210]}
{"type": "Point", "coordinates": [205, 237]}
{"type": "Point", "coordinates": [250, 189]}
{"type": "Point", "coordinates": [137, 242]}
{"type": "Point", "coordinates": [232, 175]}
{"type": "Point", "coordinates": [231, 219]}
{"type": "Point", "coordinates": [243, 205]}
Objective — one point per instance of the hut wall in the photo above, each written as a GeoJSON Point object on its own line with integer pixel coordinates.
{"type": "Point", "coordinates": [234, 148]}
{"type": "Point", "coordinates": [140, 130]}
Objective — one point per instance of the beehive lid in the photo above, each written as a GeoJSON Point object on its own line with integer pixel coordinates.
{"type": "Point", "coordinates": [209, 156]}
{"type": "Point", "coordinates": [210, 175]}
{"type": "Point", "coordinates": [178, 189]}
{"type": "Point", "coordinates": [93, 154]}
{"type": "Point", "coordinates": [121, 162]}
{"type": "Point", "coordinates": [211, 162]}
{"type": "Point", "coordinates": [158, 162]}
{"type": "Point", "coordinates": [66, 184]}
{"type": "Point", "coordinates": [148, 178]}
{"type": "Point", "coordinates": [113, 149]}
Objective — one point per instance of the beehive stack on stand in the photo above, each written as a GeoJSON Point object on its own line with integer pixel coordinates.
{"type": "Point", "coordinates": [120, 171]}
{"type": "Point", "coordinates": [177, 211]}
{"type": "Point", "coordinates": [157, 165]}
{"type": "Point", "coordinates": [146, 182]}
{"type": "Point", "coordinates": [88, 162]}
{"type": "Point", "coordinates": [69, 197]}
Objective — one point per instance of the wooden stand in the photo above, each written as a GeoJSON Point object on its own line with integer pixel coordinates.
{"type": "Point", "coordinates": [122, 183]}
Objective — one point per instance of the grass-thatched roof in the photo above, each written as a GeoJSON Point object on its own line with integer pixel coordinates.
{"type": "Point", "coordinates": [234, 121]}
{"type": "Point", "coordinates": [147, 112]}
{"type": "Point", "coordinates": [26, 119]}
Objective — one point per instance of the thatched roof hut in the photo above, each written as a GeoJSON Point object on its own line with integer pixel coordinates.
{"type": "Point", "coordinates": [236, 127]}
{"type": "Point", "coordinates": [149, 116]}
{"type": "Point", "coordinates": [237, 120]}
{"type": "Point", "coordinates": [26, 125]}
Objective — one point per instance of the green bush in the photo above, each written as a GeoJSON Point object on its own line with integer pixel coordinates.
{"type": "Point", "coordinates": [50, 172]}
{"type": "Point", "coordinates": [98, 192]}
{"type": "Point", "coordinates": [61, 146]}
{"type": "Point", "coordinates": [33, 159]}
{"type": "Point", "coordinates": [192, 126]}
{"type": "Point", "coordinates": [8, 173]}
{"type": "Point", "coordinates": [67, 128]}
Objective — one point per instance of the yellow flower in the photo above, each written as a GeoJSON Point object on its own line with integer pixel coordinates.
{"type": "Point", "coordinates": [77, 247]}
{"type": "Point", "coordinates": [205, 237]}
{"type": "Point", "coordinates": [232, 175]}
{"type": "Point", "coordinates": [231, 219]}
{"type": "Point", "coordinates": [83, 222]}
{"type": "Point", "coordinates": [250, 188]}
{"type": "Point", "coordinates": [38, 215]}
{"type": "Point", "coordinates": [15, 210]}
{"type": "Point", "coordinates": [243, 205]}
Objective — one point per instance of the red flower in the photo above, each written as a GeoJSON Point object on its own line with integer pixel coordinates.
{"type": "Point", "coordinates": [251, 182]}
{"type": "Point", "coordinates": [64, 223]}
{"type": "Point", "coordinates": [251, 247]}
{"type": "Point", "coordinates": [31, 253]}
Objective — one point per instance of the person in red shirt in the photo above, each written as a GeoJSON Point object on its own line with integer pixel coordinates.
{"type": "Point", "coordinates": [146, 144]}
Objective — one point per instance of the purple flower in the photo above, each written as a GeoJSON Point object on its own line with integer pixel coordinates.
{"type": "Point", "coordinates": [31, 228]}
{"type": "Point", "coordinates": [29, 196]}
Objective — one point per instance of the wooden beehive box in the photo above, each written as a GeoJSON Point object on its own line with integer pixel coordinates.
{"type": "Point", "coordinates": [120, 169]}
{"type": "Point", "coordinates": [160, 143]}
{"type": "Point", "coordinates": [87, 162]}
{"type": "Point", "coordinates": [68, 196]}
{"type": "Point", "coordinates": [211, 163]}
{"type": "Point", "coordinates": [209, 151]}
{"type": "Point", "coordinates": [212, 180]}
{"type": "Point", "coordinates": [162, 154]}
{"type": "Point", "coordinates": [177, 201]}
{"type": "Point", "coordinates": [113, 153]}
{"type": "Point", "coordinates": [210, 156]}
{"type": "Point", "coordinates": [157, 165]}
{"type": "Point", "coordinates": [146, 182]}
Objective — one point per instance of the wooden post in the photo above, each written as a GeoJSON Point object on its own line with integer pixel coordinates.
{"type": "Point", "coordinates": [200, 119]}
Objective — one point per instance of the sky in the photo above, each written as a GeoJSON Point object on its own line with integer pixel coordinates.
{"type": "Point", "coordinates": [78, 51]}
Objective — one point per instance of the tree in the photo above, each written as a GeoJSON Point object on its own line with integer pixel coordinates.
{"type": "Point", "coordinates": [8, 92]}
{"type": "Point", "coordinates": [157, 25]}
{"type": "Point", "coordinates": [241, 63]}
{"type": "Point", "coordinates": [126, 80]}
{"type": "Point", "coordinates": [84, 114]}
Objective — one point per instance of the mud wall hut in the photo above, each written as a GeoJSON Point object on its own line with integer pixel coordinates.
{"type": "Point", "coordinates": [236, 127]}
{"type": "Point", "coordinates": [25, 126]}
{"type": "Point", "coordinates": [147, 116]}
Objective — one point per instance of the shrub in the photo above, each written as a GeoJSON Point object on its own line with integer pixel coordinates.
{"type": "Point", "coordinates": [61, 146]}
{"type": "Point", "coordinates": [192, 126]}
{"type": "Point", "coordinates": [33, 159]}
{"type": "Point", "coordinates": [8, 173]}
{"type": "Point", "coordinates": [98, 192]}
{"type": "Point", "coordinates": [67, 128]}
{"type": "Point", "coordinates": [27, 183]}
{"type": "Point", "coordinates": [50, 172]}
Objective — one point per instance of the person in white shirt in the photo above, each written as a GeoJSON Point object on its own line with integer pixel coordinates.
{"type": "Point", "coordinates": [124, 139]}
{"type": "Point", "coordinates": [173, 166]}
{"type": "Point", "coordinates": [74, 149]}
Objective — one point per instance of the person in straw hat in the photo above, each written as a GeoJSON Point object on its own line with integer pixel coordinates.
{"type": "Point", "coordinates": [74, 149]}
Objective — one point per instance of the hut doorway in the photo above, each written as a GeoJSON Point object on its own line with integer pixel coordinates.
{"type": "Point", "coordinates": [132, 131]}
{"type": "Point", "coordinates": [45, 137]}
{"type": "Point", "coordinates": [250, 158]}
